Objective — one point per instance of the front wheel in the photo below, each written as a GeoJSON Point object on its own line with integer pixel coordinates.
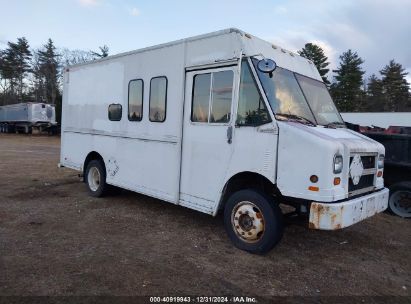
{"type": "Point", "coordinates": [253, 221]}
{"type": "Point", "coordinates": [96, 178]}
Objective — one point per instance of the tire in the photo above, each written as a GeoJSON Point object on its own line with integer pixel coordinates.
{"type": "Point", "coordinates": [95, 178]}
{"type": "Point", "coordinates": [399, 202]}
{"type": "Point", "coordinates": [253, 221]}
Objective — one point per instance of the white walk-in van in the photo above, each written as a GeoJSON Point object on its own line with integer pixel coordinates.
{"type": "Point", "coordinates": [221, 122]}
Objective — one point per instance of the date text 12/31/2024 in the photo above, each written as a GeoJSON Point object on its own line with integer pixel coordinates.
{"type": "Point", "coordinates": [201, 299]}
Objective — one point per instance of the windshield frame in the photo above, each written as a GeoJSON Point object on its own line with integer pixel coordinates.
{"type": "Point", "coordinates": [253, 59]}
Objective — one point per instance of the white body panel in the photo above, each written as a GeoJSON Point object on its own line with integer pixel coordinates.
{"type": "Point", "coordinates": [188, 163]}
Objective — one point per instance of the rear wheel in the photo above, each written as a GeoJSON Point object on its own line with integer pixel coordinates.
{"type": "Point", "coordinates": [253, 221]}
{"type": "Point", "coordinates": [96, 178]}
{"type": "Point", "coordinates": [400, 200]}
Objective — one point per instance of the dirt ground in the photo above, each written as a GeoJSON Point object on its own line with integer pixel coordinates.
{"type": "Point", "coordinates": [57, 240]}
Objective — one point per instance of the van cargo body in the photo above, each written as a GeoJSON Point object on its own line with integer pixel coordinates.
{"type": "Point", "coordinates": [26, 116]}
{"type": "Point", "coordinates": [221, 122]}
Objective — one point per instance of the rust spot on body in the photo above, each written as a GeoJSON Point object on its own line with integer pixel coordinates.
{"type": "Point", "coordinates": [311, 225]}
{"type": "Point", "coordinates": [331, 215]}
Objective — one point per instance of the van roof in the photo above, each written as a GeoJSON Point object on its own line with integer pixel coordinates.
{"type": "Point", "coordinates": [162, 45]}
{"type": "Point", "coordinates": [175, 42]}
{"type": "Point", "coordinates": [249, 45]}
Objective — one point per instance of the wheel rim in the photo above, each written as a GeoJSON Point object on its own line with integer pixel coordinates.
{"type": "Point", "coordinates": [400, 203]}
{"type": "Point", "coordinates": [93, 178]}
{"type": "Point", "coordinates": [248, 222]}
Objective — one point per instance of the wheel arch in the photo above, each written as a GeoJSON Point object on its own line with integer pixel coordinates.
{"type": "Point", "coordinates": [245, 180]}
{"type": "Point", "coordinates": [93, 155]}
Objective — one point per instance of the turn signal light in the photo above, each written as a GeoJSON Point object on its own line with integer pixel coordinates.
{"type": "Point", "coordinates": [312, 188]}
{"type": "Point", "coordinates": [337, 181]}
{"type": "Point", "coordinates": [379, 174]}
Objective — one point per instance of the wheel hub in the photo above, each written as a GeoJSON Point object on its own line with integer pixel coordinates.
{"type": "Point", "coordinates": [248, 221]}
{"type": "Point", "coordinates": [93, 178]}
{"type": "Point", "coordinates": [245, 222]}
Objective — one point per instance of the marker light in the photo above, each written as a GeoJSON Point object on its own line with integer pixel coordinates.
{"type": "Point", "coordinates": [313, 178]}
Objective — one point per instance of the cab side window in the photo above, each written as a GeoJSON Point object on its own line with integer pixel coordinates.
{"type": "Point", "coordinates": [251, 107]}
{"type": "Point", "coordinates": [212, 97]}
{"type": "Point", "coordinates": [201, 97]}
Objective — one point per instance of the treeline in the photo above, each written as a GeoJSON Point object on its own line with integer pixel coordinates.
{"type": "Point", "coordinates": [387, 92]}
{"type": "Point", "coordinates": [28, 74]}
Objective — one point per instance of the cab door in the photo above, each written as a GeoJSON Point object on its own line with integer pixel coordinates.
{"type": "Point", "coordinates": [207, 135]}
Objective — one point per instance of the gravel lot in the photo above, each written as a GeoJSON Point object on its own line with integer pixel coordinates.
{"type": "Point", "coordinates": [56, 240]}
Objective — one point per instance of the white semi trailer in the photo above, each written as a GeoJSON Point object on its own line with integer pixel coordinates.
{"type": "Point", "coordinates": [23, 117]}
{"type": "Point", "coordinates": [221, 122]}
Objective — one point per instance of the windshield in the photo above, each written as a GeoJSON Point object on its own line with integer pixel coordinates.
{"type": "Point", "coordinates": [295, 96]}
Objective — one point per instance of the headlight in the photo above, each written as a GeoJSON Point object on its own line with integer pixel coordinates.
{"type": "Point", "coordinates": [381, 161]}
{"type": "Point", "coordinates": [338, 164]}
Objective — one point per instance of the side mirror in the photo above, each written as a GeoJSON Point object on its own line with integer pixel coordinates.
{"type": "Point", "coordinates": [266, 65]}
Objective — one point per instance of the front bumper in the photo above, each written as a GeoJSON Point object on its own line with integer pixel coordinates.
{"type": "Point", "coordinates": [333, 216]}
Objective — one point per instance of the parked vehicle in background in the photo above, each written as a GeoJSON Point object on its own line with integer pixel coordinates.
{"type": "Point", "coordinates": [221, 122]}
{"type": "Point", "coordinates": [24, 117]}
{"type": "Point", "coordinates": [398, 130]}
{"type": "Point", "coordinates": [397, 171]}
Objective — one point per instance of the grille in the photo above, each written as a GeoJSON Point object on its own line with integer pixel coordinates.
{"type": "Point", "coordinates": [368, 161]}
{"type": "Point", "coordinates": [366, 181]}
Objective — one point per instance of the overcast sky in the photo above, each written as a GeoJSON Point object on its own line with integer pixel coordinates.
{"type": "Point", "coordinates": [378, 30]}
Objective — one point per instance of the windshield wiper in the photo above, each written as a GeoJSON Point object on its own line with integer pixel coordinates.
{"type": "Point", "coordinates": [334, 124]}
{"type": "Point", "coordinates": [297, 117]}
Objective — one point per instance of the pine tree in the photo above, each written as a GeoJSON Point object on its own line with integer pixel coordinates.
{"type": "Point", "coordinates": [22, 61]}
{"type": "Point", "coordinates": [375, 96]}
{"type": "Point", "coordinates": [316, 54]}
{"type": "Point", "coordinates": [346, 90]}
{"type": "Point", "coordinates": [8, 68]}
{"type": "Point", "coordinates": [103, 52]}
{"type": "Point", "coordinates": [38, 88]}
{"type": "Point", "coordinates": [48, 69]}
{"type": "Point", "coordinates": [395, 87]}
{"type": "Point", "coordinates": [3, 80]}
{"type": "Point", "coordinates": [14, 65]}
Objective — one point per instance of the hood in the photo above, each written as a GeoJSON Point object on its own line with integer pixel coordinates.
{"type": "Point", "coordinates": [307, 150]}
{"type": "Point", "coordinates": [352, 141]}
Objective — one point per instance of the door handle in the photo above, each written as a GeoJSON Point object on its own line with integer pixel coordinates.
{"type": "Point", "coordinates": [230, 134]}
